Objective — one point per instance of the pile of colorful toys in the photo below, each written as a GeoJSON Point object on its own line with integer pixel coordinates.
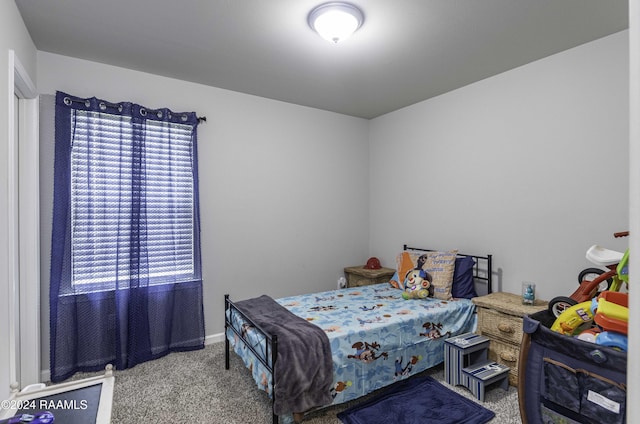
{"type": "Point", "coordinates": [602, 320]}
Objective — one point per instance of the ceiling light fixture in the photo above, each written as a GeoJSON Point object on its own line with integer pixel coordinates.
{"type": "Point", "coordinates": [335, 21]}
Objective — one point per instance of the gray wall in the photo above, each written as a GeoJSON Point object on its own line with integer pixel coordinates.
{"type": "Point", "coordinates": [530, 165]}
{"type": "Point", "coordinates": [284, 194]}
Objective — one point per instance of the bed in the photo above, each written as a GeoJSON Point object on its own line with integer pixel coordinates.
{"type": "Point", "coordinates": [374, 336]}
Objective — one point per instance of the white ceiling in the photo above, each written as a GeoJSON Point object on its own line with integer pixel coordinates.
{"type": "Point", "coordinates": [405, 52]}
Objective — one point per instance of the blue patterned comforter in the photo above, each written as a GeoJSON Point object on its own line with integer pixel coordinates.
{"type": "Point", "coordinates": [376, 336]}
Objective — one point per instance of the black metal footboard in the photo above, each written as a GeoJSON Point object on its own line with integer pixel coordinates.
{"type": "Point", "coordinates": [270, 340]}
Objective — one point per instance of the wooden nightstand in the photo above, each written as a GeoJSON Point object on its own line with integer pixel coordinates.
{"type": "Point", "coordinates": [359, 276]}
{"type": "Point", "coordinates": [500, 319]}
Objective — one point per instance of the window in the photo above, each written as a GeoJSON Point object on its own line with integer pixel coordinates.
{"type": "Point", "coordinates": [130, 201]}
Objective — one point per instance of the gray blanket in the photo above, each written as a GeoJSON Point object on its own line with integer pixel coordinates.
{"type": "Point", "coordinates": [304, 368]}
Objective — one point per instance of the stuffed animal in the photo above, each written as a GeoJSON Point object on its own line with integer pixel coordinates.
{"type": "Point", "coordinates": [416, 285]}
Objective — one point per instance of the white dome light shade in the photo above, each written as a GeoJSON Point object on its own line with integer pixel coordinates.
{"type": "Point", "coordinates": [335, 21]}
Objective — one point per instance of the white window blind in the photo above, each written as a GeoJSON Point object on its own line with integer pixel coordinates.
{"type": "Point", "coordinates": [132, 202]}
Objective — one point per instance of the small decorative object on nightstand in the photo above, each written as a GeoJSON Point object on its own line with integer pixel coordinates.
{"type": "Point", "coordinates": [528, 293]}
{"type": "Point", "coordinates": [500, 319]}
{"type": "Point", "coordinates": [360, 276]}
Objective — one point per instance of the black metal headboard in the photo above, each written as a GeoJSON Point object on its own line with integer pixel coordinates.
{"type": "Point", "coordinates": [482, 270]}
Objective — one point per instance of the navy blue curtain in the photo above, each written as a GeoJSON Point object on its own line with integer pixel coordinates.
{"type": "Point", "coordinates": [126, 279]}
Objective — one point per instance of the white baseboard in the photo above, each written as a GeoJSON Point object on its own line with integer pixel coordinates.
{"type": "Point", "coordinates": [214, 338]}
{"type": "Point", "coordinates": [45, 375]}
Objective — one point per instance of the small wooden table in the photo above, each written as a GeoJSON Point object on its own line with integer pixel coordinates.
{"type": "Point", "coordinates": [358, 276]}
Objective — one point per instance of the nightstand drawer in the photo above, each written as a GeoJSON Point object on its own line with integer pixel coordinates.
{"type": "Point", "coordinates": [499, 325]}
{"type": "Point", "coordinates": [358, 280]}
{"type": "Point", "coordinates": [506, 354]}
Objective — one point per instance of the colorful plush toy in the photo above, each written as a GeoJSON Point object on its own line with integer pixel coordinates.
{"type": "Point", "coordinates": [416, 285]}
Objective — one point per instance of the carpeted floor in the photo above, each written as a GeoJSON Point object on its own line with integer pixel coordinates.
{"type": "Point", "coordinates": [194, 387]}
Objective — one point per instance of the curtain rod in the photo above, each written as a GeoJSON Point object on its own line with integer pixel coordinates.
{"type": "Point", "coordinates": [103, 105]}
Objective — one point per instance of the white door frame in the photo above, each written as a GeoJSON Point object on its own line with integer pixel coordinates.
{"type": "Point", "coordinates": [633, 366]}
{"type": "Point", "coordinates": [23, 231]}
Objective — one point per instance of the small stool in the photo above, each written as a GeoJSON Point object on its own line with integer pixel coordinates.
{"type": "Point", "coordinates": [479, 376]}
{"type": "Point", "coordinates": [463, 351]}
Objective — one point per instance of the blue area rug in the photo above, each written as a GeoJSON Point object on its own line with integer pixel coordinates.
{"type": "Point", "coordinates": [415, 401]}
